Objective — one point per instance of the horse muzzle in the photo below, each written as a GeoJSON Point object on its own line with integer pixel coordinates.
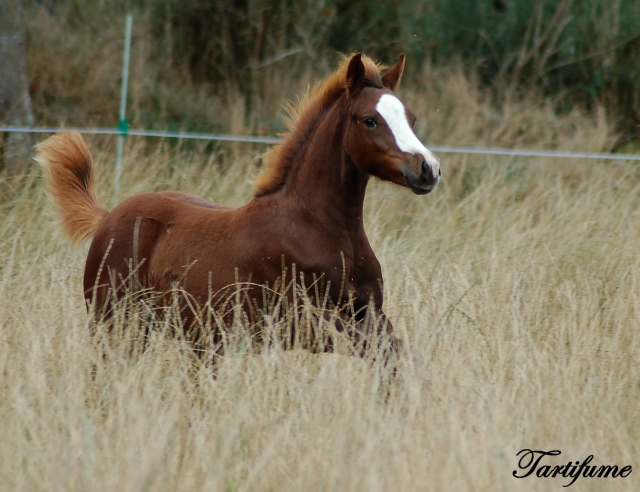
{"type": "Point", "coordinates": [427, 175]}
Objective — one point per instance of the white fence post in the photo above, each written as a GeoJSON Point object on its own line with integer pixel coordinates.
{"type": "Point", "coordinates": [123, 124]}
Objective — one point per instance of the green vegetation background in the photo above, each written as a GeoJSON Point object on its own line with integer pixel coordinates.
{"type": "Point", "coordinates": [575, 53]}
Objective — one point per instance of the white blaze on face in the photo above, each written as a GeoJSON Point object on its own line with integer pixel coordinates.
{"type": "Point", "coordinates": [392, 110]}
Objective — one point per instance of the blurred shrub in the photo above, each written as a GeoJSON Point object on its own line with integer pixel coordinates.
{"type": "Point", "coordinates": [581, 52]}
{"type": "Point", "coordinates": [578, 52]}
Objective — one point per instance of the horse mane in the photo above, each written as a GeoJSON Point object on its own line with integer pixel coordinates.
{"type": "Point", "coordinates": [278, 162]}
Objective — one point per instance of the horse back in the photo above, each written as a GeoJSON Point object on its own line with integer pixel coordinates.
{"type": "Point", "coordinates": [192, 200]}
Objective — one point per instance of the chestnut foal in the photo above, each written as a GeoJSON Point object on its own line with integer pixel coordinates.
{"type": "Point", "coordinates": [306, 213]}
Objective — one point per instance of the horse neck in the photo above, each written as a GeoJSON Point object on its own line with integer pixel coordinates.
{"type": "Point", "coordinates": [325, 180]}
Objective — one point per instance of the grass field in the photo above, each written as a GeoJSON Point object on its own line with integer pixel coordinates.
{"type": "Point", "coordinates": [515, 284]}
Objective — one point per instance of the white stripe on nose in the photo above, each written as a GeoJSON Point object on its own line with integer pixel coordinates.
{"type": "Point", "coordinates": [392, 110]}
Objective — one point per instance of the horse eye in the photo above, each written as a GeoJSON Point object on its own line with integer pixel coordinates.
{"type": "Point", "coordinates": [369, 123]}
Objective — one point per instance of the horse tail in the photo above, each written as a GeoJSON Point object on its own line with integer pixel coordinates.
{"type": "Point", "coordinates": [69, 170]}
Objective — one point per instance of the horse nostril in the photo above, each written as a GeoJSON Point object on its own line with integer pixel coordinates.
{"type": "Point", "coordinates": [428, 172]}
{"type": "Point", "coordinates": [440, 172]}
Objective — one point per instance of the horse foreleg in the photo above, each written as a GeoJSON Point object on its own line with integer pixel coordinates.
{"type": "Point", "coordinates": [369, 336]}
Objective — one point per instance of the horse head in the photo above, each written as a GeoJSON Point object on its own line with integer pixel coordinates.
{"type": "Point", "coordinates": [379, 137]}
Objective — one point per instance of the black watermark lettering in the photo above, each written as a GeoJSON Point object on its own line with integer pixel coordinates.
{"type": "Point", "coordinates": [626, 471]}
{"type": "Point", "coordinates": [530, 462]}
{"type": "Point", "coordinates": [528, 454]}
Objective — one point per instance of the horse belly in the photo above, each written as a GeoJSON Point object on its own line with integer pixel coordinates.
{"type": "Point", "coordinates": [193, 260]}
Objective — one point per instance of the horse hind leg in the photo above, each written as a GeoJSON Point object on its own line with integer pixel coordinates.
{"type": "Point", "coordinates": [117, 267]}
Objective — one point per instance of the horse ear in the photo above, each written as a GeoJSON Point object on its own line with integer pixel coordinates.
{"type": "Point", "coordinates": [391, 79]}
{"type": "Point", "coordinates": [355, 74]}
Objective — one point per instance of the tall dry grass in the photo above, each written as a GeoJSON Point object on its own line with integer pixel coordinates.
{"type": "Point", "coordinates": [516, 286]}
